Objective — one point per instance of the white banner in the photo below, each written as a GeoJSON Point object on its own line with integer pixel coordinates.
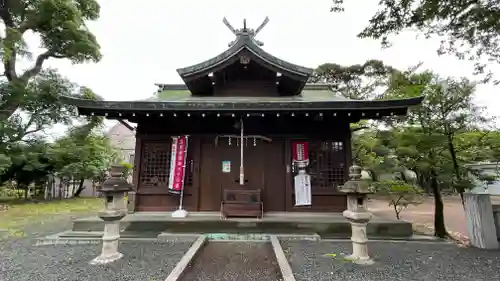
{"type": "Point", "coordinates": [173, 160]}
{"type": "Point", "coordinates": [302, 190]}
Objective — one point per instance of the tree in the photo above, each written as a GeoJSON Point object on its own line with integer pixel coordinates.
{"type": "Point", "coordinates": [478, 146]}
{"type": "Point", "coordinates": [30, 163]}
{"type": "Point", "coordinates": [469, 29]}
{"type": "Point", "coordinates": [61, 27]}
{"type": "Point", "coordinates": [426, 140]}
{"type": "Point", "coordinates": [448, 110]}
{"type": "Point", "coordinates": [83, 154]}
{"type": "Point", "coordinates": [42, 109]}
{"type": "Point", "coordinates": [359, 81]}
{"type": "Point", "coordinates": [399, 194]}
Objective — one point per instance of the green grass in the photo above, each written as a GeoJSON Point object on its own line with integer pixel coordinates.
{"type": "Point", "coordinates": [22, 213]}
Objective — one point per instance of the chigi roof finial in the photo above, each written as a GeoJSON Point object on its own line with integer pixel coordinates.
{"type": "Point", "coordinates": [246, 31]}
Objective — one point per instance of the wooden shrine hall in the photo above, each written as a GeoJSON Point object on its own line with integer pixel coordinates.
{"type": "Point", "coordinates": [235, 127]}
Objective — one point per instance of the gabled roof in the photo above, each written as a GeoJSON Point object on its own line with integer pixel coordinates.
{"type": "Point", "coordinates": [245, 42]}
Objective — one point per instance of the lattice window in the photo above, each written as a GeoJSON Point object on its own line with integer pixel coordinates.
{"type": "Point", "coordinates": [156, 164]}
{"type": "Point", "coordinates": [326, 164]}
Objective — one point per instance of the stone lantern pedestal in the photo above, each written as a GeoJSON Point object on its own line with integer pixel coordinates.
{"type": "Point", "coordinates": [113, 190]}
{"type": "Point", "coordinates": [357, 214]}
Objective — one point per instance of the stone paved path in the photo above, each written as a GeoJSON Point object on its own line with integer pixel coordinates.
{"type": "Point", "coordinates": [231, 261]}
{"type": "Point", "coordinates": [424, 213]}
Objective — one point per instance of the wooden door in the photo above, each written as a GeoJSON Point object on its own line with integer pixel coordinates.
{"type": "Point", "coordinates": [264, 169]}
{"type": "Point", "coordinates": [230, 162]}
{"type": "Point", "coordinates": [220, 169]}
{"type": "Point", "coordinates": [274, 161]}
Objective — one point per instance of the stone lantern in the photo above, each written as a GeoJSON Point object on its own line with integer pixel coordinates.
{"type": "Point", "coordinates": [113, 189]}
{"type": "Point", "coordinates": [357, 214]}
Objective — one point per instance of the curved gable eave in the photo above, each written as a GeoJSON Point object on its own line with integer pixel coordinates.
{"type": "Point", "coordinates": [225, 58]}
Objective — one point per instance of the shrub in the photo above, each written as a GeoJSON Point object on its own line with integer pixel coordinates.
{"type": "Point", "coordinates": [399, 194]}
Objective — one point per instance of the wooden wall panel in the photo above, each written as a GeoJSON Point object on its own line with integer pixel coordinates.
{"type": "Point", "coordinates": [330, 157]}
{"type": "Point", "coordinates": [152, 191]}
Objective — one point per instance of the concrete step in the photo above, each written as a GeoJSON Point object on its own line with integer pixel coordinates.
{"type": "Point", "coordinates": [326, 227]}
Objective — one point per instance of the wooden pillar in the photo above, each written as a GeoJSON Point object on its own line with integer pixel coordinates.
{"type": "Point", "coordinates": [480, 222]}
{"type": "Point", "coordinates": [288, 175]}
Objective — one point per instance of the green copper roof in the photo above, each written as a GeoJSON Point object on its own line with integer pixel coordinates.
{"type": "Point", "coordinates": [178, 98]}
{"type": "Point", "coordinates": [172, 95]}
{"type": "Point", "coordinates": [305, 96]}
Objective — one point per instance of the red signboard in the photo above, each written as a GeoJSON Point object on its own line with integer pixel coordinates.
{"type": "Point", "coordinates": [178, 164]}
{"type": "Point", "coordinates": [300, 151]}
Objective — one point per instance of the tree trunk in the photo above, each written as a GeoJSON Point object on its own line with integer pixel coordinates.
{"type": "Point", "coordinates": [396, 211]}
{"type": "Point", "coordinates": [456, 168]}
{"type": "Point", "coordinates": [80, 188]}
{"type": "Point", "coordinates": [46, 190]}
{"type": "Point", "coordinates": [61, 180]}
{"type": "Point", "coordinates": [439, 227]}
{"type": "Point", "coordinates": [451, 149]}
{"type": "Point", "coordinates": [7, 110]}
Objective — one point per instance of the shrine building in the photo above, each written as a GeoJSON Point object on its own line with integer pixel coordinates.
{"type": "Point", "coordinates": [240, 116]}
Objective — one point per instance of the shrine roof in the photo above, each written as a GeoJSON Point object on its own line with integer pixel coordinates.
{"type": "Point", "coordinates": [245, 40]}
{"type": "Point", "coordinates": [176, 99]}
{"type": "Point", "coordinates": [310, 93]}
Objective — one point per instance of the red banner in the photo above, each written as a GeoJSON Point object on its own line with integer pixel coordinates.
{"type": "Point", "coordinates": [178, 164]}
{"type": "Point", "coordinates": [300, 151]}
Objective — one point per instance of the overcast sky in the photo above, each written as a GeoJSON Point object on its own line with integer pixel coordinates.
{"type": "Point", "coordinates": [145, 43]}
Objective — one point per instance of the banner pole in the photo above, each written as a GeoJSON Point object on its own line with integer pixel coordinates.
{"type": "Point", "coordinates": [242, 169]}
{"type": "Point", "coordinates": [184, 176]}
{"type": "Point", "coordinates": [181, 213]}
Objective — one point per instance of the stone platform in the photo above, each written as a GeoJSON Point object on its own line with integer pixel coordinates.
{"type": "Point", "coordinates": [326, 225]}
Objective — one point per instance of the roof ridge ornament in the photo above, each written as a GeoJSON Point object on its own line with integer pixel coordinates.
{"type": "Point", "coordinates": [246, 31]}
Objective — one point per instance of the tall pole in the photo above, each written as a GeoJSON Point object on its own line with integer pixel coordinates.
{"type": "Point", "coordinates": [181, 213]}
{"type": "Point", "coordinates": [242, 173]}
{"type": "Point", "coordinates": [185, 162]}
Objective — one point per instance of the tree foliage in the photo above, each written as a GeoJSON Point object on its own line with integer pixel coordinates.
{"type": "Point", "coordinates": [73, 156]}
{"type": "Point", "coordinates": [61, 27]}
{"type": "Point", "coordinates": [360, 81]}
{"type": "Point", "coordinates": [30, 100]}
{"type": "Point", "coordinates": [436, 140]}
{"type": "Point", "coordinates": [400, 194]}
{"type": "Point", "coordinates": [89, 157]}
{"type": "Point", "coordinates": [468, 29]}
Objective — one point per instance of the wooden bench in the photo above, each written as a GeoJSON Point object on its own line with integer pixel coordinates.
{"type": "Point", "coordinates": [241, 203]}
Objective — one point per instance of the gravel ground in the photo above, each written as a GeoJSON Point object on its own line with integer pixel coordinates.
{"type": "Point", "coordinates": [314, 261]}
{"type": "Point", "coordinates": [144, 261]}
{"type": "Point", "coordinates": [234, 261]}
{"type": "Point", "coordinates": [20, 260]}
